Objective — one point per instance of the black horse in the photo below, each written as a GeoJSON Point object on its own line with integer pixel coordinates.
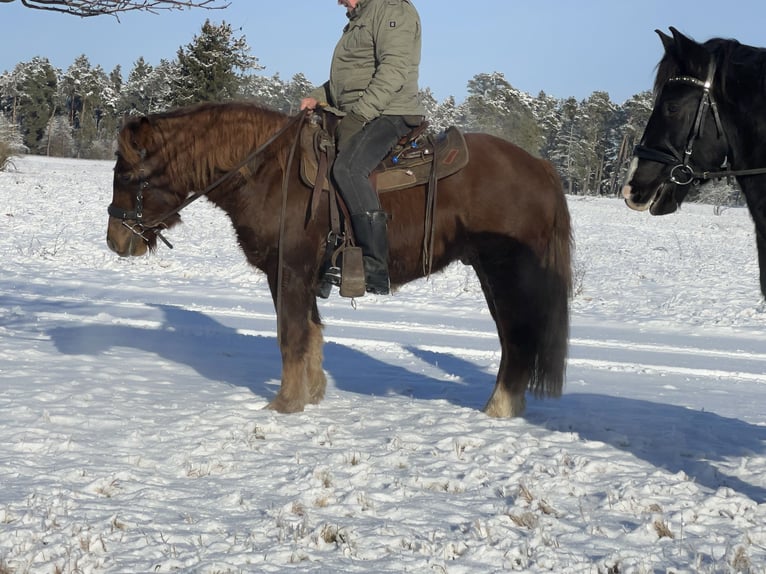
{"type": "Point", "coordinates": [708, 121]}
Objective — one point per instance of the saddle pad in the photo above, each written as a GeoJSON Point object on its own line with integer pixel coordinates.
{"type": "Point", "coordinates": [413, 164]}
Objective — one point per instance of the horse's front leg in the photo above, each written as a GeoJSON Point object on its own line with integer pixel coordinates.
{"type": "Point", "coordinates": [300, 344]}
{"type": "Point", "coordinates": [316, 379]}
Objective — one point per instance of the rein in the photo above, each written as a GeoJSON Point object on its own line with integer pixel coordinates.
{"type": "Point", "coordinates": [682, 172]}
{"type": "Point", "coordinates": [139, 227]}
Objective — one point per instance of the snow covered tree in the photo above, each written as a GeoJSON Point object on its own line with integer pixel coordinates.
{"type": "Point", "coordinates": [148, 89]}
{"type": "Point", "coordinates": [10, 142]}
{"type": "Point", "coordinates": [212, 65]}
{"type": "Point", "coordinates": [89, 101]}
{"type": "Point", "coordinates": [274, 92]}
{"type": "Point", "coordinates": [27, 97]}
{"type": "Point", "coordinates": [566, 148]}
{"type": "Point", "coordinates": [547, 113]}
{"type": "Point", "coordinates": [440, 116]}
{"type": "Point", "coordinates": [298, 87]}
{"type": "Point", "coordinates": [10, 136]}
{"type": "Point", "coordinates": [266, 90]}
{"type": "Point", "coordinates": [494, 106]}
{"type": "Point", "coordinates": [58, 140]}
{"type": "Point", "coordinates": [447, 114]}
{"type": "Point", "coordinates": [634, 114]}
{"type": "Point", "coordinates": [596, 118]}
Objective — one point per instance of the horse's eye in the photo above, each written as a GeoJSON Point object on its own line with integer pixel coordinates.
{"type": "Point", "coordinates": [123, 178]}
{"type": "Point", "coordinates": [671, 108]}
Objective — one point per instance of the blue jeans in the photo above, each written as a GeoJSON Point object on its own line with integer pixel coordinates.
{"type": "Point", "coordinates": [361, 154]}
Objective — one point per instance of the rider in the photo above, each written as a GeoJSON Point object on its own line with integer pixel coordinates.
{"type": "Point", "coordinates": [374, 82]}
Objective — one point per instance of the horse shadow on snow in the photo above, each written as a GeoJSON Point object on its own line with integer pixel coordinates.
{"type": "Point", "coordinates": [685, 440]}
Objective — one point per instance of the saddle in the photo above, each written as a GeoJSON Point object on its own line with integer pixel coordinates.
{"type": "Point", "coordinates": [414, 160]}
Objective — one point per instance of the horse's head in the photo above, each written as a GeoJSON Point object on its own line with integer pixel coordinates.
{"type": "Point", "coordinates": [142, 193]}
{"type": "Point", "coordinates": [684, 136]}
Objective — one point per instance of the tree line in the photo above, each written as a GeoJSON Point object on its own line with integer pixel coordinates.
{"type": "Point", "coordinates": [77, 112]}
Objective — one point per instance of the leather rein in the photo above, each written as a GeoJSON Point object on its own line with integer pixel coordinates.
{"type": "Point", "coordinates": [134, 219]}
{"type": "Point", "coordinates": [682, 173]}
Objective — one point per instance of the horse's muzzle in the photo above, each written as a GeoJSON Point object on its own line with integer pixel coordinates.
{"type": "Point", "coordinates": [122, 241]}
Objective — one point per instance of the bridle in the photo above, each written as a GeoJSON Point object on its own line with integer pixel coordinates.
{"type": "Point", "coordinates": [682, 173]}
{"type": "Point", "coordinates": [133, 219]}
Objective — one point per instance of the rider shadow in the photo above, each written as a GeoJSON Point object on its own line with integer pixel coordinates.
{"type": "Point", "coordinates": [699, 443]}
{"type": "Point", "coordinates": [219, 353]}
{"type": "Point", "coordinates": [215, 351]}
{"type": "Point", "coordinates": [462, 384]}
{"type": "Point", "coordinates": [691, 441]}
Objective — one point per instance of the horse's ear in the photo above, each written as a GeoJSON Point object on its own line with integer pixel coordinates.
{"type": "Point", "coordinates": [667, 41]}
{"type": "Point", "coordinates": [682, 40]}
{"type": "Point", "coordinates": [688, 50]}
{"type": "Point", "coordinates": [142, 133]}
{"type": "Point", "coordinates": [134, 137]}
{"type": "Point", "coordinates": [689, 56]}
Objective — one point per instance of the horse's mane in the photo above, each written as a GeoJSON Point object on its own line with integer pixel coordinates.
{"type": "Point", "coordinates": [195, 143]}
{"type": "Point", "coordinates": [740, 69]}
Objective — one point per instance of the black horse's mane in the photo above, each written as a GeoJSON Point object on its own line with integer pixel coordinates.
{"type": "Point", "coordinates": [740, 69]}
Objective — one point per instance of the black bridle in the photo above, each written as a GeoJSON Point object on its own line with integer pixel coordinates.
{"type": "Point", "coordinates": [682, 172]}
{"type": "Point", "coordinates": [133, 219]}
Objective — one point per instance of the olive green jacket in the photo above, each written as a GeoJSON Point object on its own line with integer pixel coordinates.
{"type": "Point", "coordinates": [374, 69]}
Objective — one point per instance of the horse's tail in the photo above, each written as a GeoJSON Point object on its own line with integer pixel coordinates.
{"type": "Point", "coordinates": [550, 361]}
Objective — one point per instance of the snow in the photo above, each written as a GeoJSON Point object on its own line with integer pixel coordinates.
{"type": "Point", "coordinates": [133, 436]}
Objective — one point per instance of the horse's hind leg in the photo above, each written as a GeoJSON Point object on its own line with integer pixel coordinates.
{"type": "Point", "coordinates": [512, 303]}
{"type": "Point", "coordinates": [507, 399]}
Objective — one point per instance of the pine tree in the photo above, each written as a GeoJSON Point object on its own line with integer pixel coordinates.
{"type": "Point", "coordinates": [298, 87]}
{"type": "Point", "coordinates": [211, 66]}
{"type": "Point", "coordinates": [440, 116]}
{"type": "Point", "coordinates": [89, 101]}
{"type": "Point", "coordinates": [496, 107]}
{"type": "Point", "coordinates": [58, 138]}
{"type": "Point", "coordinates": [566, 148]}
{"type": "Point", "coordinates": [135, 95]}
{"type": "Point", "coordinates": [30, 98]}
{"type": "Point", "coordinates": [634, 114]}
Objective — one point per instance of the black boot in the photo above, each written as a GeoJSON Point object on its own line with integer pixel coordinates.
{"type": "Point", "coordinates": [371, 235]}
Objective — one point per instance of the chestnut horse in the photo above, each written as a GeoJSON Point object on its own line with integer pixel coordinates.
{"type": "Point", "coordinates": [505, 214]}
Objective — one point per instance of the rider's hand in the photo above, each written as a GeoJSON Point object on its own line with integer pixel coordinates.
{"type": "Point", "coordinates": [309, 103]}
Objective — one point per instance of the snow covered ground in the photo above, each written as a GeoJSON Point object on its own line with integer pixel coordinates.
{"type": "Point", "coordinates": [133, 436]}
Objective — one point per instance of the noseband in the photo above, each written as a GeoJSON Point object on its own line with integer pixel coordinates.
{"type": "Point", "coordinates": [136, 216]}
{"type": "Point", "coordinates": [682, 173]}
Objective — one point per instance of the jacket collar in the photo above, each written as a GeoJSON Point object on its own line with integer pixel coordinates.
{"type": "Point", "coordinates": [360, 6]}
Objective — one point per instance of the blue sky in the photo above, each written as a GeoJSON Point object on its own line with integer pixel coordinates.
{"type": "Point", "coordinates": [564, 47]}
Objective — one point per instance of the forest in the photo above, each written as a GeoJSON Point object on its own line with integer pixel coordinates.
{"type": "Point", "coordinates": [77, 112]}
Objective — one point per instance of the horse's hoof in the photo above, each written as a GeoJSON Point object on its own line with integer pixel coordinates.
{"type": "Point", "coordinates": [285, 407]}
{"type": "Point", "coordinates": [513, 406]}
